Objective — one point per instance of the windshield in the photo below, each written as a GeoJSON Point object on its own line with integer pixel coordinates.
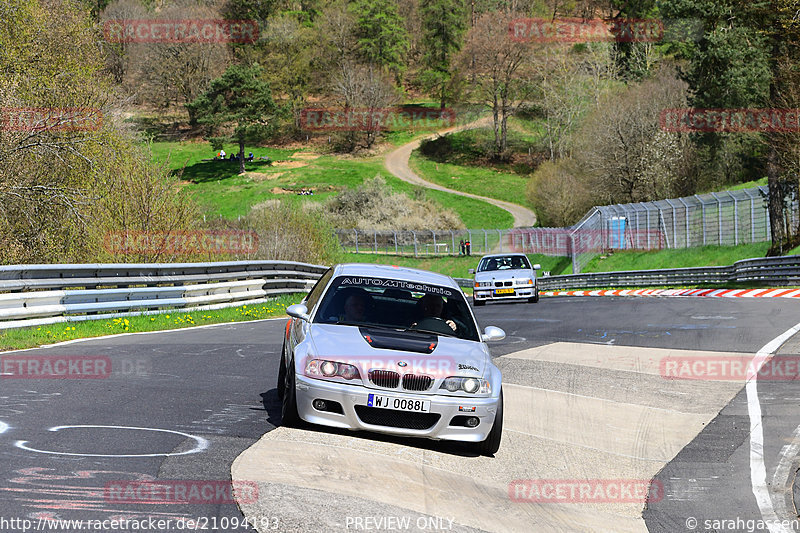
{"type": "Point", "coordinates": [506, 262]}
{"type": "Point", "coordinates": [397, 304]}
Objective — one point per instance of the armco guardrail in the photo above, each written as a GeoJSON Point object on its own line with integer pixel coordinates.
{"type": "Point", "coordinates": [770, 271]}
{"type": "Point", "coordinates": [97, 291]}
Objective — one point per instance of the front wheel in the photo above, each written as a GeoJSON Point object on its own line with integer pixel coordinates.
{"type": "Point", "coordinates": [492, 442]}
{"type": "Point", "coordinates": [535, 298]}
{"type": "Point", "coordinates": [477, 303]}
{"type": "Point", "coordinates": [289, 415]}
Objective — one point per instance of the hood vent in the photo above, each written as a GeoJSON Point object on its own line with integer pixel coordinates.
{"type": "Point", "coordinates": [407, 341]}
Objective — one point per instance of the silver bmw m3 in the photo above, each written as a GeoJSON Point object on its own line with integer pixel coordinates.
{"type": "Point", "coordinates": [392, 350]}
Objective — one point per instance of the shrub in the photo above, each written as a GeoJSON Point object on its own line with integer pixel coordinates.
{"type": "Point", "coordinates": [376, 206]}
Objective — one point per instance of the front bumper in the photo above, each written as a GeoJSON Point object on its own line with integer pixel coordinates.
{"type": "Point", "coordinates": [521, 292]}
{"type": "Point", "coordinates": [350, 396]}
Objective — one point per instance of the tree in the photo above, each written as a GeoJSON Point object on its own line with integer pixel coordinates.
{"type": "Point", "coordinates": [626, 155]}
{"type": "Point", "coordinates": [382, 38]}
{"type": "Point", "coordinates": [65, 172]}
{"type": "Point", "coordinates": [362, 87]}
{"type": "Point", "coordinates": [240, 103]}
{"type": "Point", "coordinates": [288, 55]}
{"type": "Point", "coordinates": [500, 68]}
{"type": "Point", "coordinates": [740, 63]}
{"type": "Point", "coordinates": [174, 72]}
{"type": "Point", "coordinates": [443, 24]}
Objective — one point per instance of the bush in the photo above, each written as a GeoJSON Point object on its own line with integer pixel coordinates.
{"type": "Point", "coordinates": [375, 206]}
{"type": "Point", "coordinates": [558, 194]}
{"type": "Point", "coordinates": [286, 233]}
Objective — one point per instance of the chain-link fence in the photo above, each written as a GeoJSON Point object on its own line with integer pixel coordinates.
{"type": "Point", "coordinates": [423, 242]}
{"type": "Point", "coordinates": [725, 218]}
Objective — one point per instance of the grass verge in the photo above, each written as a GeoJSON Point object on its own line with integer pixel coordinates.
{"type": "Point", "coordinates": [21, 338]}
{"type": "Point", "coordinates": [679, 258]}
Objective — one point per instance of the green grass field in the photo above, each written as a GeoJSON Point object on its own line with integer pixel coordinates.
{"type": "Point", "coordinates": [683, 257]}
{"type": "Point", "coordinates": [15, 339]}
{"type": "Point", "coordinates": [483, 181]}
{"type": "Point", "coordinates": [221, 191]}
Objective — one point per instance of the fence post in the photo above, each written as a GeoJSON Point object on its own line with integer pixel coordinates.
{"type": "Point", "coordinates": [356, 232]}
{"type": "Point", "coordinates": [453, 249]}
{"type": "Point", "coordinates": [686, 206]}
{"type": "Point", "coordinates": [703, 210]}
{"type": "Point", "coordinates": [674, 226]}
{"type": "Point", "coordinates": [719, 217]}
{"type": "Point", "coordinates": [375, 240]}
{"type": "Point", "coordinates": [576, 268]}
{"type": "Point", "coordinates": [414, 233]}
{"type": "Point", "coordinates": [434, 242]}
{"type": "Point", "coordinates": [500, 239]}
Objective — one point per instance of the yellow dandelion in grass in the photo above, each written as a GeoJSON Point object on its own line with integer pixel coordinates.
{"type": "Point", "coordinates": [167, 316]}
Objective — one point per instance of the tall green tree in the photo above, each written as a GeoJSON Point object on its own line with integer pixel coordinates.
{"type": "Point", "coordinates": [382, 38]}
{"type": "Point", "coordinates": [238, 107]}
{"type": "Point", "coordinates": [747, 58]}
{"type": "Point", "coordinates": [444, 23]}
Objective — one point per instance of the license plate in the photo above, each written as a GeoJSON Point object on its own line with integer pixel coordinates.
{"type": "Point", "coordinates": [399, 404]}
{"type": "Point", "coordinates": [504, 291]}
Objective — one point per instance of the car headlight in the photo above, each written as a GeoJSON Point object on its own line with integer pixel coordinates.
{"type": "Point", "coordinates": [479, 284]}
{"type": "Point", "coordinates": [320, 368]}
{"type": "Point", "coordinates": [524, 281]}
{"type": "Point", "coordinates": [470, 385]}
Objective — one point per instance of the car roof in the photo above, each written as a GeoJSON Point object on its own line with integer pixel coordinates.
{"type": "Point", "coordinates": [394, 272]}
{"type": "Point", "coordinates": [509, 254]}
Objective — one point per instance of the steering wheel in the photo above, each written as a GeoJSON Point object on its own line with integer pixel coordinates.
{"type": "Point", "coordinates": [434, 323]}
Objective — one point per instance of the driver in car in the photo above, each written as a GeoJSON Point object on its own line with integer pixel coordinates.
{"type": "Point", "coordinates": [356, 304]}
{"type": "Point", "coordinates": [432, 307]}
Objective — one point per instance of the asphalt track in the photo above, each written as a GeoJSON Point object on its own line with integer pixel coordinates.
{"type": "Point", "coordinates": [585, 401]}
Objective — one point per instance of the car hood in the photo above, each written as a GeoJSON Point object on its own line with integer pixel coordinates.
{"type": "Point", "coordinates": [450, 356]}
{"type": "Point", "coordinates": [505, 275]}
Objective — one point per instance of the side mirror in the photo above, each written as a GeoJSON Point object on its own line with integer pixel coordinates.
{"type": "Point", "coordinates": [298, 311]}
{"type": "Point", "coordinates": [493, 333]}
{"type": "Point", "coordinates": [537, 266]}
{"type": "Point", "coordinates": [471, 270]}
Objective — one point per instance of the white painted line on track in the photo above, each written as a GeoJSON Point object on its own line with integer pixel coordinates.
{"type": "Point", "coordinates": [3, 427]}
{"type": "Point", "coordinates": [758, 470]}
{"type": "Point", "coordinates": [202, 444]}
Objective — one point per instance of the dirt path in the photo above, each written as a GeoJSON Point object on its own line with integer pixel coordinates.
{"type": "Point", "coordinates": [397, 164]}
